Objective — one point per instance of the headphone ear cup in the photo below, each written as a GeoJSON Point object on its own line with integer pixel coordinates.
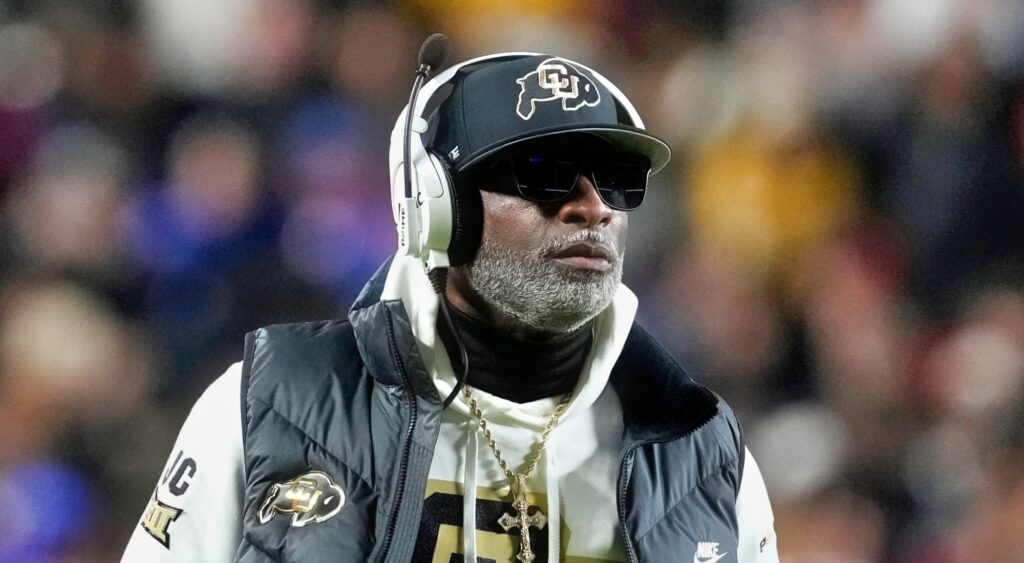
{"type": "Point", "coordinates": [467, 220]}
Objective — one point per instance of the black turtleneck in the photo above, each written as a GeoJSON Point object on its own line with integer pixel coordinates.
{"type": "Point", "coordinates": [520, 370]}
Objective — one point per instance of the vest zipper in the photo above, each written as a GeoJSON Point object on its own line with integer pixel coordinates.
{"type": "Point", "coordinates": [403, 469]}
{"type": "Point", "coordinates": [625, 471]}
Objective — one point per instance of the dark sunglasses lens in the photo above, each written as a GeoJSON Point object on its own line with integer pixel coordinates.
{"type": "Point", "coordinates": [621, 186]}
{"type": "Point", "coordinates": [542, 178]}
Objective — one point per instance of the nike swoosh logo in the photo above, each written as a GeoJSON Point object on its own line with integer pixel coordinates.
{"type": "Point", "coordinates": [712, 560]}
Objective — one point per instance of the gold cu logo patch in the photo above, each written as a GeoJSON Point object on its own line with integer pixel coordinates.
{"type": "Point", "coordinates": [555, 79]}
{"type": "Point", "coordinates": [157, 518]}
{"type": "Point", "coordinates": [310, 497]}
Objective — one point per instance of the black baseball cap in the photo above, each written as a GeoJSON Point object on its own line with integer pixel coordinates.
{"type": "Point", "coordinates": [494, 104]}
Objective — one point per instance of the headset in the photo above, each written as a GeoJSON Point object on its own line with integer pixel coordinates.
{"type": "Point", "coordinates": [435, 222]}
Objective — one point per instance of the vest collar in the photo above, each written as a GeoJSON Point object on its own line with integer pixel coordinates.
{"type": "Point", "coordinates": [660, 402]}
{"type": "Point", "coordinates": [385, 339]}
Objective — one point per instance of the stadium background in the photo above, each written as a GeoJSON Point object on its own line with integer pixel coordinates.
{"type": "Point", "coordinates": [836, 246]}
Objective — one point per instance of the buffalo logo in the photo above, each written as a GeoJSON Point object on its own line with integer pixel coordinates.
{"type": "Point", "coordinates": [556, 79]}
{"type": "Point", "coordinates": [311, 497]}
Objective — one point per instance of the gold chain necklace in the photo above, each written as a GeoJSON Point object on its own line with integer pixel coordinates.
{"type": "Point", "coordinates": [517, 481]}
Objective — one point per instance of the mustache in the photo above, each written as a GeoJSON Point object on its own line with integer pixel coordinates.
{"type": "Point", "coordinates": [594, 238]}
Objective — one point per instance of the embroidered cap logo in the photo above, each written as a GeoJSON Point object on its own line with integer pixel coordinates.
{"type": "Point", "coordinates": [555, 79]}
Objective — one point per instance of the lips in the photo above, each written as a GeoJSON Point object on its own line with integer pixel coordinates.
{"type": "Point", "coordinates": [586, 255]}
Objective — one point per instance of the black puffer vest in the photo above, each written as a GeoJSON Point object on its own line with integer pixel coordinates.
{"type": "Point", "coordinates": [352, 399]}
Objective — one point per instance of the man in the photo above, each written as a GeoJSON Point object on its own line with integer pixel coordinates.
{"type": "Point", "coordinates": [575, 437]}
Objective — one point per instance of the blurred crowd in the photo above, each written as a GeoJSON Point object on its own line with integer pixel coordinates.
{"type": "Point", "coordinates": [837, 246]}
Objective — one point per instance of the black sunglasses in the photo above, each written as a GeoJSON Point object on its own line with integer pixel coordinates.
{"type": "Point", "coordinates": [547, 177]}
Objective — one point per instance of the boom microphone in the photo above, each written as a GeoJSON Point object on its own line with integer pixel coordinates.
{"type": "Point", "coordinates": [434, 52]}
{"type": "Point", "coordinates": [432, 55]}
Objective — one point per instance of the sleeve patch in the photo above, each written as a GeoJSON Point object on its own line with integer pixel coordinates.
{"type": "Point", "coordinates": [157, 518]}
{"type": "Point", "coordinates": [179, 474]}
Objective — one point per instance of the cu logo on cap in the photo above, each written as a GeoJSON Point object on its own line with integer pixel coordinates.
{"type": "Point", "coordinates": [555, 79]}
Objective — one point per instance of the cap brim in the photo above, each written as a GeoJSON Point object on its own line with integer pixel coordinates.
{"type": "Point", "coordinates": [629, 139]}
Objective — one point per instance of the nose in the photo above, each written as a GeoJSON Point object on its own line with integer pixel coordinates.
{"type": "Point", "coordinates": [584, 206]}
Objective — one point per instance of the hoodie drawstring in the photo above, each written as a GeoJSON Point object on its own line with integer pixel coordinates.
{"type": "Point", "coordinates": [469, 492]}
{"type": "Point", "coordinates": [554, 503]}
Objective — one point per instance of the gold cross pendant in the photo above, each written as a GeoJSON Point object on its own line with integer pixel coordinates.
{"type": "Point", "coordinates": [523, 519]}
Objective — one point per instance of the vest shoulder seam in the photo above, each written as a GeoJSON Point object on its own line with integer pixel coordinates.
{"type": "Point", "coordinates": [336, 457]}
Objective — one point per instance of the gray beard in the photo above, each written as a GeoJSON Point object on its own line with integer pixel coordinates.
{"type": "Point", "coordinates": [526, 291]}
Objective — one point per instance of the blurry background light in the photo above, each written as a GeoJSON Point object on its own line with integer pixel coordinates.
{"type": "Point", "coordinates": [32, 65]}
